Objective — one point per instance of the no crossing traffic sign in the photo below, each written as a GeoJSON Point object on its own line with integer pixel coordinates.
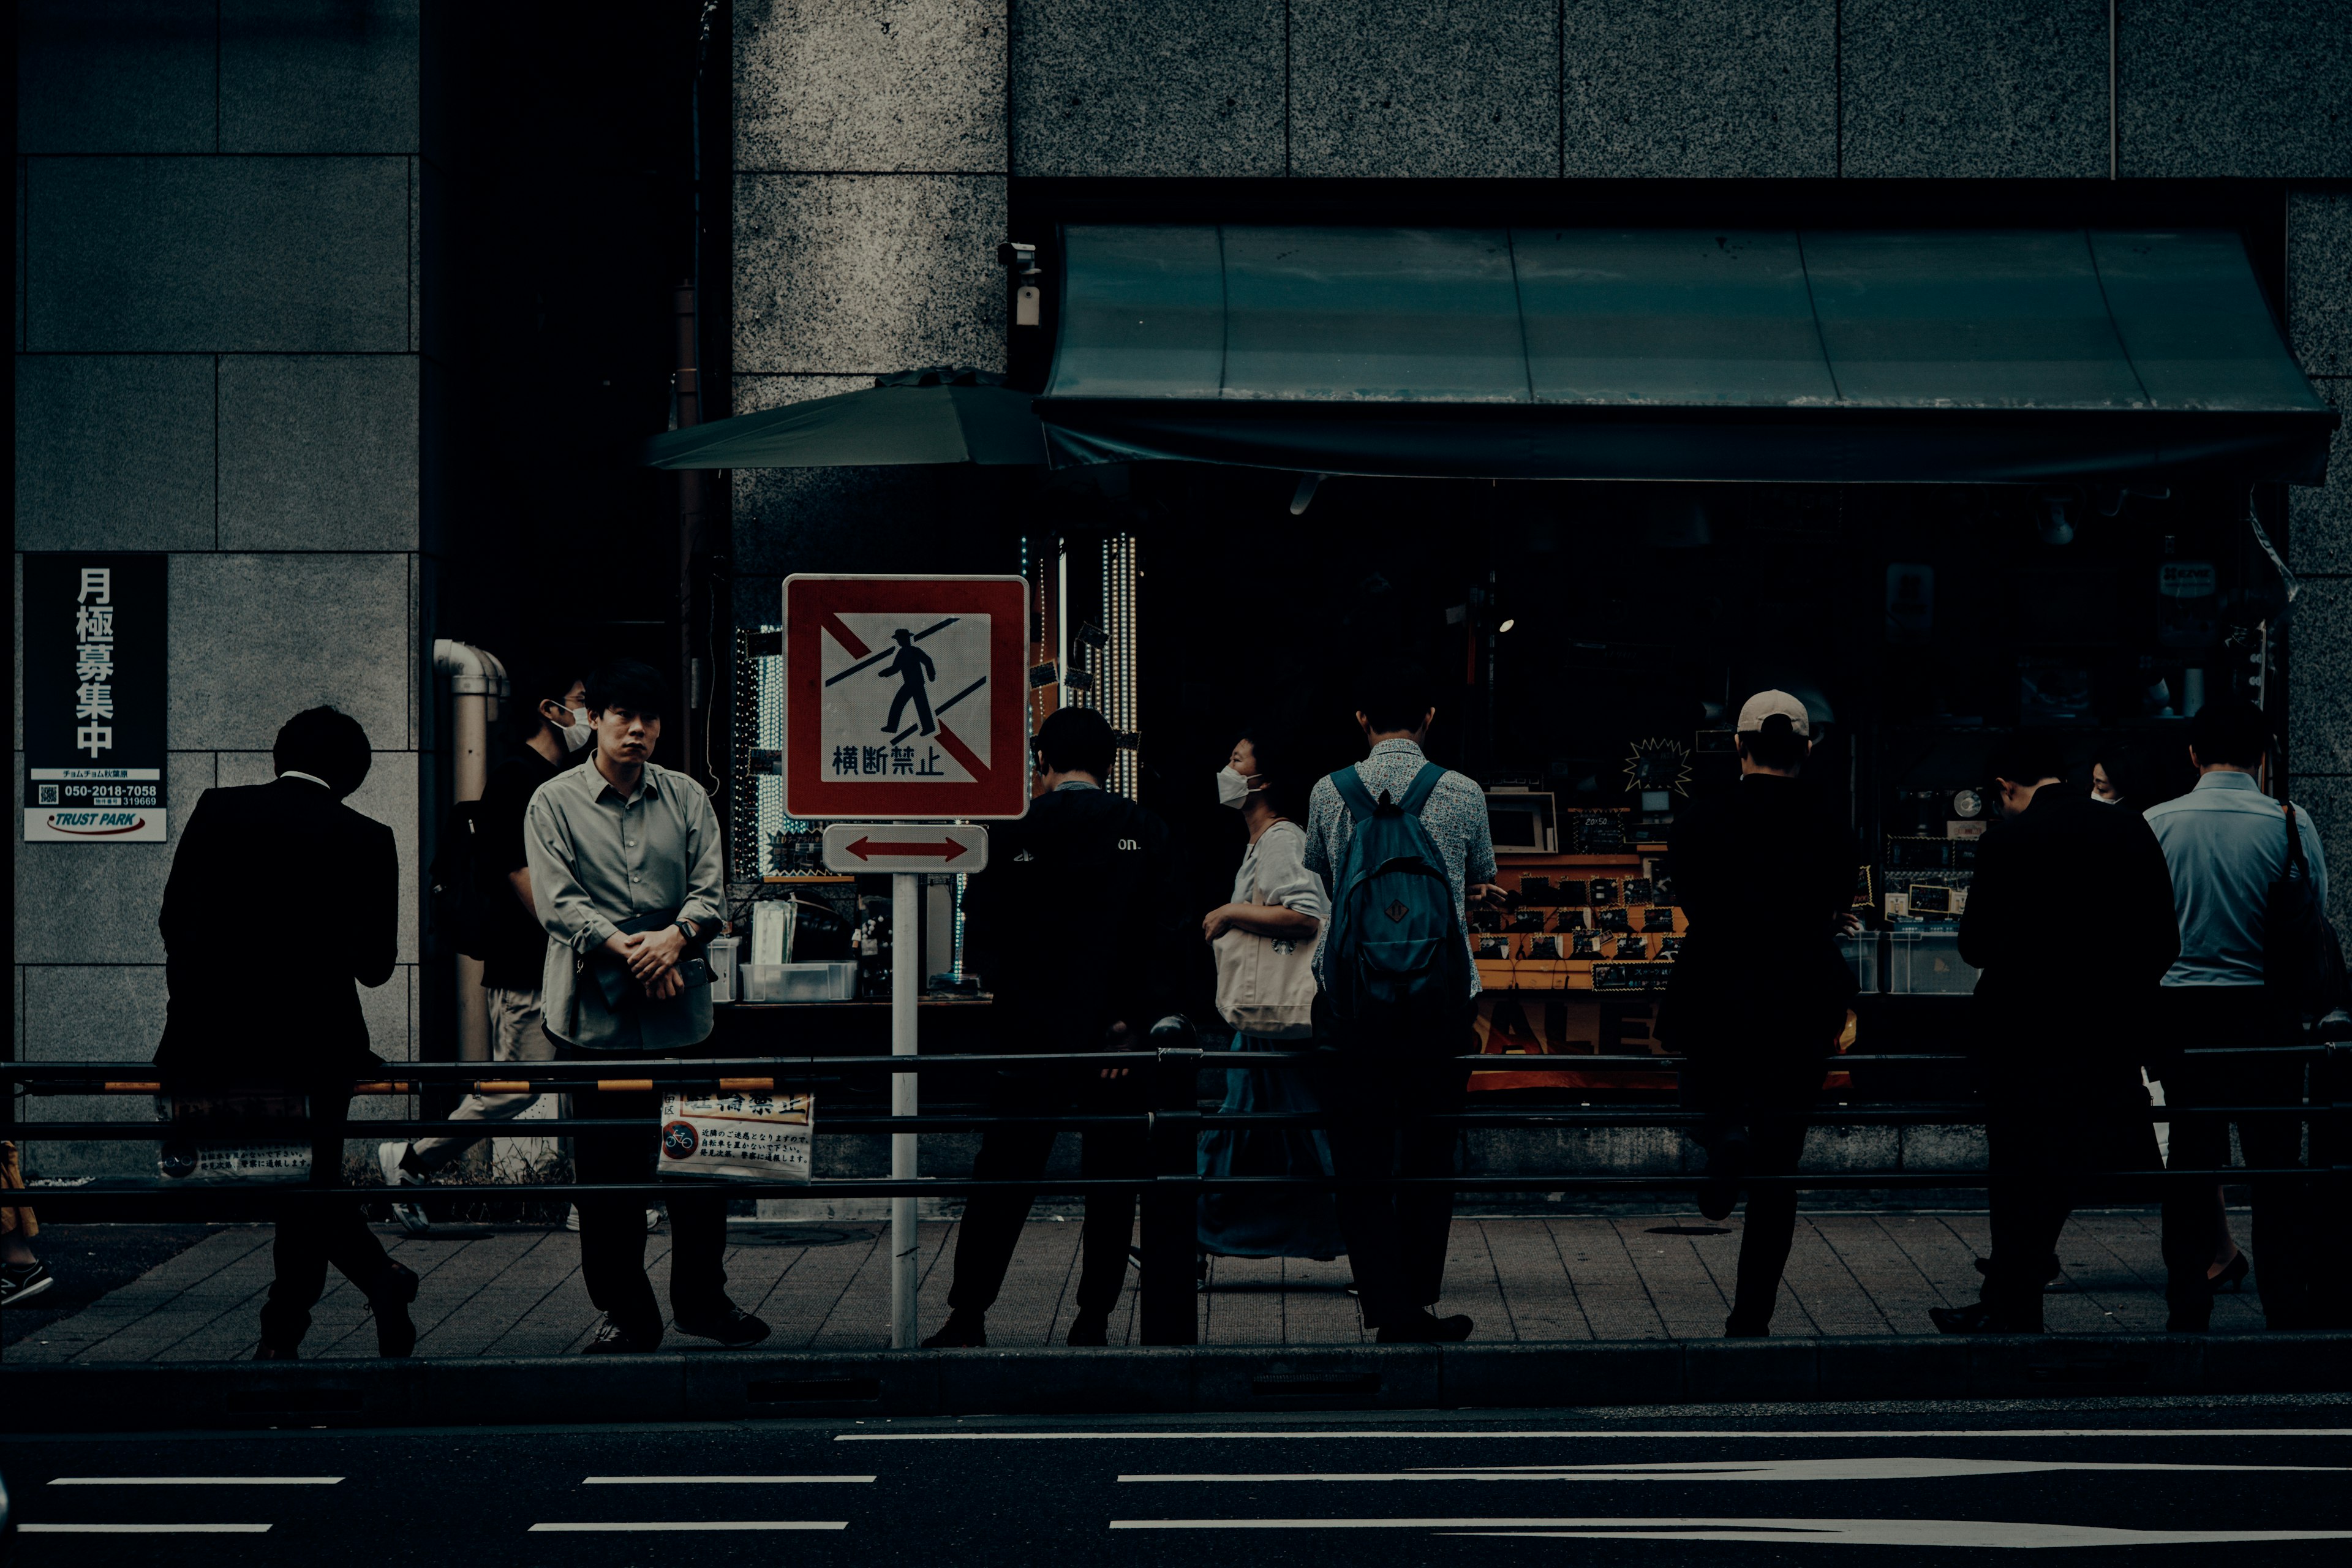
{"type": "Point", "coordinates": [906, 698]}
{"type": "Point", "coordinates": [905, 847]}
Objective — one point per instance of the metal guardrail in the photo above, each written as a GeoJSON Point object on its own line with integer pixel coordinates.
{"type": "Point", "coordinates": [1169, 1129]}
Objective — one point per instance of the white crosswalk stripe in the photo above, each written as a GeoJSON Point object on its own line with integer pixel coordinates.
{"type": "Point", "coordinates": [590, 1527]}
{"type": "Point", "coordinates": [1874, 1467]}
{"type": "Point", "coordinates": [1993, 1533]}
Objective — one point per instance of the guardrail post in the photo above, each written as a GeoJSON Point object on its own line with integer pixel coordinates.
{"type": "Point", "coordinates": [2331, 1136]}
{"type": "Point", "coordinates": [1171, 1202]}
{"type": "Point", "coordinates": [906, 978]}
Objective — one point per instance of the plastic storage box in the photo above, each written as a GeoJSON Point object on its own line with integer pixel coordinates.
{"type": "Point", "coordinates": [1861, 957]}
{"type": "Point", "coordinates": [721, 953]}
{"type": "Point", "coordinates": [799, 982]}
{"type": "Point", "coordinates": [1928, 963]}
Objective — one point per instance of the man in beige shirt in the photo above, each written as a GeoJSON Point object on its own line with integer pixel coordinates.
{"type": "Point", "coordinates": [625, 870]}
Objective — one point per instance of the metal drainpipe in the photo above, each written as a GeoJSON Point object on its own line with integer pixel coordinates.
{"type": "Point", "coordinates": [477, 682]}
{"type": "Point", "coordinates": [689, 385]}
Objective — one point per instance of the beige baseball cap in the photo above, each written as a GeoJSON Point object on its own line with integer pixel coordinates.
{"type": "Point", "coordinates": [1764, 704]}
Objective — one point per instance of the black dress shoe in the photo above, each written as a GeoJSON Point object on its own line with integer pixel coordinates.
{"type": "Point", "coordinates": [1736, 1327]}
{"type": "Point", "coordinates": [729, 1325]}
{"type": "Point", "coordinates": [395, 1332]}
{"type": "Point", "coordinates": [2232, 1278]}
{"type": "Point", "coordinates": [611, 1339]}
{"type": "Point", "coordinates": [1425, 1329]}
{"type": "Point", "coordinates": [1089, 1329]}
{"type": "Point", "coordinates": [2051, 1268]}
{"type": "Point", "coordinates": [276, 1352]}
{"type": "Point", "coordinates": [1977, 1318]}
{"type": "Point", "coordinates": [962, 1331]}
{"type": "Point", "coordinates": [1726, 1164]}
{"type": "Point", "coordinates": [2180, 1323]}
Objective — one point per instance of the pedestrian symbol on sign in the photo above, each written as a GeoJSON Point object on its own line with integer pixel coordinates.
{"type": "Point", "coordinates": [879, 675]}
{"type": "Point", "coordinates": [904, 696]}
{"type": "Point", "coordinates": [913, 668]}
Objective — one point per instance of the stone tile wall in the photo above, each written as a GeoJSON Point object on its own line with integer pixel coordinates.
{"type": "Point", "coordinates": [218, 326]}
{"type": "Point", "coordinates": [871, 156]}
{"type": "Point", "coordinates": [2319, 525]}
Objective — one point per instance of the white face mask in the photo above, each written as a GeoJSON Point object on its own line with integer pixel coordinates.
{"type": "Point", "coordinates": [1232, 788]}
{"type": "Point", "coordinates": [2103, 800]}
{"type": "Point", "coordinates": [577, 732]}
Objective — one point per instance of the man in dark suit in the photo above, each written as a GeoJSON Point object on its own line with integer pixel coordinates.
{"type": "Point", "coordinates": [281, 898]}
{"type": "Point", "coordinates": [2063, 1008]}
{"type": "Point", "coordinates": [1071, 926]}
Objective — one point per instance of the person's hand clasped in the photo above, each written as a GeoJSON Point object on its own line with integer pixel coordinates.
{"type": "Point", "coordinates": [657, 955]}
{"type": "Point", "coordinates": [665, 985]}
{"type": "Point", "coordinates": [1218, 922]}
{"type": "Point", "coordinates": [1118, 1033]}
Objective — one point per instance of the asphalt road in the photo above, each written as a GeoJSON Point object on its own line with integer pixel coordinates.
{"type": "Point", "coordinates": [1731, 1485]}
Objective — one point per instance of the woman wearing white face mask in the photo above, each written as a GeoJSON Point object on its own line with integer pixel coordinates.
{"type": "Point", "coordinates": [1265, 942]}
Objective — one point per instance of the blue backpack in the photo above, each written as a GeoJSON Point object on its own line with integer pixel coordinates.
{"type": "Point", "coordinates": [1395, 965]}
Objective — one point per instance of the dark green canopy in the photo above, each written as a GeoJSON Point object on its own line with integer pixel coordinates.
{"type": "Point", "coordinates": [1957, 356]}
{"type": "Point", "coordinates": [929, 416]}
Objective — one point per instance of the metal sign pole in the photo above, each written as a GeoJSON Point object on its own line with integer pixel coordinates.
{"type": "Point", "coordinates": [906, 960]}
{"type": "Point", "coordinates": [857, 651]}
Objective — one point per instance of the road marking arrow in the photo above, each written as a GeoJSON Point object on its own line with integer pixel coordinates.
{"type": "Point", "coordinates": [948, 850]}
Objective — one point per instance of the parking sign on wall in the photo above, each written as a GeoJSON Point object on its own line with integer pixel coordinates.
{"type": "Point", "coordinates": [905, 698]}
{"type": "Point", "coordinates": [94, 698]}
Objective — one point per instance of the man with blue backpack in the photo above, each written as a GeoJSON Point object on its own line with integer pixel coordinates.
{"type": "Point", "coordinates": [1404, 845]}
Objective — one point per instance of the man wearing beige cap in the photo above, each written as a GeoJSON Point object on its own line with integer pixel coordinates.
{"type": "Point", "coordinates": [1764, 875]}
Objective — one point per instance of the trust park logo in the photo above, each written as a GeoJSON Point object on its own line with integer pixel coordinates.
{"type": "Point", "coordinates": [96, 824]}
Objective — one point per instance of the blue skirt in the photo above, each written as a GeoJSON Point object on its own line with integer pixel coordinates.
{"type": "Point", "coordinates": [1262, 1224]}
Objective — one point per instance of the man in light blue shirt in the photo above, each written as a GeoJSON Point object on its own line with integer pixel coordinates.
{"type": "Point", "coordinates": [2226, 842]}
{"type": "Point", "coordinates": [1397, 1237]}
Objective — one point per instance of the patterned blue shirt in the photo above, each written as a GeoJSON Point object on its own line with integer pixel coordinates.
{"type": "Point", "coordinates": [2226, 843]}
{"type": "Point", "coordinates": [1455, 817]}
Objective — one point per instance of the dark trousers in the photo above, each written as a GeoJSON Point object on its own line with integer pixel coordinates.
{"type": "Point", "coordinates": [314, 1235]}
{"type": "Point", "coordinates": [2046, 1142]}
{"type": "Point", "coordinates": [2298, 1241]}
{"type": "Point", "coordinates": [613, 1230]}
{"type": "Point", "coordinates": [992, 1220]}
{"type": "Point", "coordinates": [1768, 1101]}
{"type": "Point", "coordinates": [1396, 1236]}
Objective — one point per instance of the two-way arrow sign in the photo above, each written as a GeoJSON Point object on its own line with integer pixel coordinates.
{"type": "Point", "coordinates": [904, 846]}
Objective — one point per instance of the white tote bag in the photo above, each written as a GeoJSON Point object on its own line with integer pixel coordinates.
{"type": "Point", "coordinates": [232, 1140]}
{"type": "Point", "coordinates": [1265, 984]}
{"type": "Point", "coordinates": [738, 1137]}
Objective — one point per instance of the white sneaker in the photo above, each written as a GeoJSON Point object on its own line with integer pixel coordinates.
{"type": "Point", "coordinates": [411, 1217]}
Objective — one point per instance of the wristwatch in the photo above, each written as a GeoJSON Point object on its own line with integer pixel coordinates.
{"type": "Point", "coordinates": [685, 929]}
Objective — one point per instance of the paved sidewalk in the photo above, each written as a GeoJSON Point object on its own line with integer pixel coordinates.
{"type": "Point", "coordinates": [516, 1290]}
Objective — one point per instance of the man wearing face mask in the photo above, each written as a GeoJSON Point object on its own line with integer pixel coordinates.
{"type": "Point", "coordinates": [554, 735]}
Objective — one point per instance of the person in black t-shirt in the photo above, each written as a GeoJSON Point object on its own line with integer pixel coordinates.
{"type": "Point", "coordinates": [1765, 872]}
{"type": "Point", "coordinates": [1074, 925]}
{"type": "Point", "coordinates": [554, 732]}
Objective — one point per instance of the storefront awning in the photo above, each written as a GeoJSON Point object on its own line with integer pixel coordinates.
{"type": "Point", "coordinates": [924, 416]}
{"type": "Point", "coordinates": [1933, 356]}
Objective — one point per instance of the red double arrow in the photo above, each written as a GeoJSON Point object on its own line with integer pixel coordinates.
{"type": "Point", "coordinates": [948, 850]}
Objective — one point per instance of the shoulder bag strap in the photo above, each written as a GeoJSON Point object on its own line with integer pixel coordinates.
{"type": "Point", "coordinates": [1350, 783]}
{"type": "Point", "coordinates": [2299, 867]}
{"type": "Point", "coordinates": [1416, 795]}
